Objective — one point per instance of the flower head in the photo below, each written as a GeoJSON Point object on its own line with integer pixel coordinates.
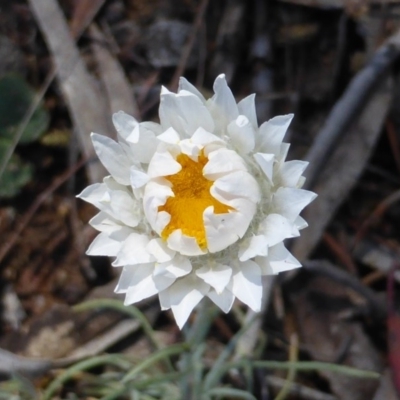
{"type": "Point", "coordinates": [198, 205]}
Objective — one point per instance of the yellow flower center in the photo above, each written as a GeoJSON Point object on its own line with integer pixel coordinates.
{"type": "Point", "coordinates": [192, 197]}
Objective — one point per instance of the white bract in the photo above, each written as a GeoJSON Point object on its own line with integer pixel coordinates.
{"type": "Point", "coordinates": [200, 204]}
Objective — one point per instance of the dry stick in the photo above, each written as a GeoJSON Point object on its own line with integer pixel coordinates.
{"type": "Point", "coordinates": [344, 167]}
{"type": "Point", "coordinates": [351, 103]}
{"type": "Point", "coordinates": [377, 213]}
{"type": "Point", "coordinates": [325, 268]}
{"type": "Point", "coordinates": [340, 252]}
{"type": "Point", "coordinates": [33, 208]}
{"type": "Point", "coordinates": [394, 142]}
{"type": "Point", "coordinates": [180, 69]}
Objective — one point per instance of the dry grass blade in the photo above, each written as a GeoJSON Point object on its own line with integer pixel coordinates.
{"type": "Point", "coordinates": [83, 14]}
{"type": "Point", "coordinates": [301, 391]}
{"type": "Point", "coordinates": [107, 339]}
{"type": "Point", "coordinates": [12, 364]}
{"type": "Point", "coordinates": [117, 87]}
{"type": "Point", "coordinates": [87, 107]}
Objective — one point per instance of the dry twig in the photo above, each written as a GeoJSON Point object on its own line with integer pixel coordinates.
{"type": "Point", "coordinates": [24, 221]}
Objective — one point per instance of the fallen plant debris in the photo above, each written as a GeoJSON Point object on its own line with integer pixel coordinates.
{"type": "Point", "coordinates": [329, 330]}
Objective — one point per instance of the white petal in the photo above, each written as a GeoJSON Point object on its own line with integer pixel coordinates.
{"type": "Point", "coordinates": [184, 244]}
{"type": "Point", "coordinates": [143, 285]}
{"type": "Point", "coordinates": [190, 149]}
{"type": "Point", "coordinates": [300, 223]}
{"type": "Point", "coordinates": [112, 157]}
{"type": "Point", "coordinates": [253, 246]}
{"type": "Point", "coordinates": [222, 230]}
{"type": "Point", "coordinates": [163, 164]}
{"type": "Point", "coordinates": [238, 184]}
{"type": "Point", "coordinates": [290, 172]}
{"type": "Point", "coordinates": [125, 208]}
{"type": "Point", "coordinates": [289, 201]}
{"type": "Point", "coordinates": [271, 134]}
{"type": "Point", "coordinates": [125, 278]}
{"type": "Point", "coordinates": [185, 85]}
{"type": "Point", "coordinates": [265, 266]}
{"type": "Point", "coordinates": [169, 114]}
{"type": "Point", "coordinates": [185, 294]}
{"type": "Point", "coordinates": [246, 284]}
{"type": "Point", "coordinates": [185, 112]}
{"type": "Point", "coordinates": [241, 205]}
{"type": "Point", "coordinates": [124, 124]}
{"type": "Point", "coordinates": [222, 105]}
{"type": "Point", "coordinates": [266, 163]}
{"type": "Point", "coordinates": [94, 194]}
{"type": "Point", "coordinates": [144, 148]}
{"type": "Point", "coordinates": [155, 195]}
{"type": "Point", "coordinates": [241, 133]}
{"type": "Point", "coordinates": [162, 220]}
{"type": "Point", "coordinates": [134, 251]}
{"type": "Point", "coordinates": [247, 107]}
{"type": "Point", "coordinates": [169, 136]}
{"type": "Point", "coordinates": [216, 275]}
{"type": "Point", "coordinates": [138, 178]}
{"type": "Point", "coordinates": [221, 162]}
{"type": "Point", "coordinates": [103, 222]}
{"type": "Point", "coordinates": [283, 152]}
{"type": "Point", "coordinates": [177, 267]}
{"type": "Point", "coordinates": [108, 244]}
{"type": "Point", "coordinates": [219, 231]}
{"type": "Point", "coordinates": [112, 184]}
{"type": "Point", "coordinates": [275, 228]}
{"type": "Point", "coordinates": [134, 136]}
{"type": "Point", "coordinates": [203, 137]}
{"type": "Point", "coordinates": [151, 126]}
{"type": "Point", "coordinates": [223, 300]}
{"type": "Point", "coordinates": [281, 260]}
{"type": "Point", "coordinates": [102, 245]}
{"type": "Point", "coordinates": [302, 180]}
{"type": "Point", "coordinates": [165, 300]}
{"type": "Point", "coordinates": [161, 252]}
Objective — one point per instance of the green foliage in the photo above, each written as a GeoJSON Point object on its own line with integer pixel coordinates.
{"type": "Point", "coordinates": [16, 175]}
{"type": "Point", "coordinates": [16, 97]}
{"type": "Point", "coordinates": [160, 377]}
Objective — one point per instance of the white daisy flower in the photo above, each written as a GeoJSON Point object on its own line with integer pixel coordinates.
{"type": "Point", "coordinates": [200, 204]}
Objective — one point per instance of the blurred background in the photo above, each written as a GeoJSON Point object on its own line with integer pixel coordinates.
{"type": "Point", "coordinates": [67, 65]}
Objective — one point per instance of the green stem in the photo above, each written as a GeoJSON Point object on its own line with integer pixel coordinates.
{"type": "Point", "coordinates": [93, 362]}
{"type": "Point", "coordinates": [293, 358]}
{"type": "Point", "coordinates": [206, 312]}
{"type": "Point", "coordinates": [298, 366]}
{"type": "Point", "coordinates": [159, 355]}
